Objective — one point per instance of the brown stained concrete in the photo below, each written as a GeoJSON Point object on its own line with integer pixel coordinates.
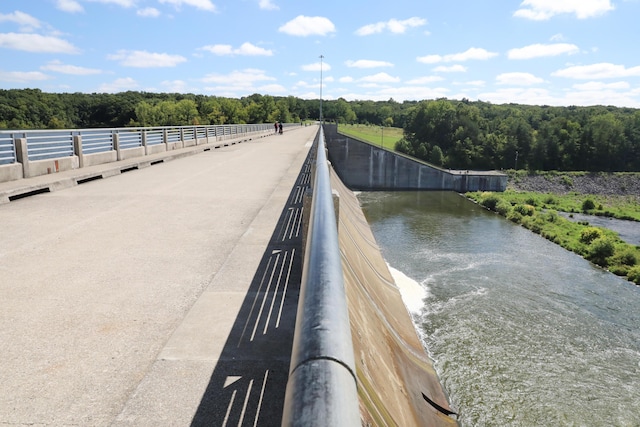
{"type": "Point", "coordinates": [393, 369]}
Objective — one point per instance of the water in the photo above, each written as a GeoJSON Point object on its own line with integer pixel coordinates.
{"type": "Point", "coordinates": [523, 333]}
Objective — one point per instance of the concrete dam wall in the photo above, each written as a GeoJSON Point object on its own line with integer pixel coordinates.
{"type": "Point", "coordinates": [366, 167]}
{"type": "Point", "coordinates": [397, 384]}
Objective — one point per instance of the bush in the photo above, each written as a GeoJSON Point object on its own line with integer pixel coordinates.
{"type": "Point", "coordinates": [626, 257]}
{"type": "Point", "coordinates": [566, 180]}
{"type": "Point", "coordinates": [531, 201]}
{"type": "Point", "coordinates": [634, 274]}
{"type": "Point", "coordinates": [524, 210]}
{"type": "Point", "coordinates": [551, 216]}
{"type": "Point", "coordinates": [550, 200]}
{"type": "Point", "coordinates": [489, 200]}
{"type": "Point", "coordinates": [599, 250]}
{"type": "Point", "coordinates": [590, 234]}
{"type": "Point", "coordinates": [514, 216]}
{"type": "Point", "coordinates": [588, 205]}
{"type": "Point", "coordinates": [503, 207]}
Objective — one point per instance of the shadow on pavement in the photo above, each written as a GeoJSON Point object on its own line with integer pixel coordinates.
{"type": "Point", "coordinates": [248, 384]}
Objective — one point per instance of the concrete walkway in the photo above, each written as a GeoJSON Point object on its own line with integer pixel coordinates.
{"type": "Point", "coordinates": [164, 296]}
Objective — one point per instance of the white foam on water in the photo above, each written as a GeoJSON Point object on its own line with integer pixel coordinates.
{"type": "Point", "coordinates": [413, 294]}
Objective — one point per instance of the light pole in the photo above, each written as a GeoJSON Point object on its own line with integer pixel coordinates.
{"type": "Point", "coordinates": [321, 58]}
{"type": "Point", "coordinates": [381, 136]}
{"type": "Point", "coordinates": [516, 165]}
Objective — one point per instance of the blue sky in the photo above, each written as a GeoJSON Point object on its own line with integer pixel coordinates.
{"type": "Point", "coordinates": [552, 52]}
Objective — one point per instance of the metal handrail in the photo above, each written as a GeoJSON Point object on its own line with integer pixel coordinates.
{"type": "Point", "coordinates": [322, 386]}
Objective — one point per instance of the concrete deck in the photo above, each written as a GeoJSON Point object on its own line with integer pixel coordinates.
{"type": "Point", "coordinates": [165, 296]}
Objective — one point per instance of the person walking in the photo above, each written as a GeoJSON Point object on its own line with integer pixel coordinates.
{"type": "Point", "coordinates": [280, 127]}
{"type": "Point", "coordinates": [275, 125]}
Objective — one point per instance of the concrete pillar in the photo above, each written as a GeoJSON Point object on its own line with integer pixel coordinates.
{"type": "Point", "coordinates": [144, 142]}
{"type": "Point", "coordinates": [116, 146]}
{"type": "Point", "coordinates": [77, 149]}
{"type": "Point", "coordinates": [22, 154]}
{"type": "Point", "coordinates": [165, 138]}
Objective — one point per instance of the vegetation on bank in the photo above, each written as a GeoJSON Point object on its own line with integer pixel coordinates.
{"type": "Point", "coordinates": [539, 213]}
{"type": "Point", "coordinates": [376, 135]}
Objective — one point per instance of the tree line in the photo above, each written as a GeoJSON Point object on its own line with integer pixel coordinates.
{"type": "Point", "coordinates": [480, 135]}
{"type": "Point", "coordinates": [450, 133]}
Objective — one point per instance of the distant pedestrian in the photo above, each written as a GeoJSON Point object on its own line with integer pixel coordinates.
{"type": "Point", "coordinates": [280, 127]}
{"type": "Point", "coordinates": [275, 125]}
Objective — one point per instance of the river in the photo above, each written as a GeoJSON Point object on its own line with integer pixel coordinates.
{"type": "Point", "coordinates": [522, 332]}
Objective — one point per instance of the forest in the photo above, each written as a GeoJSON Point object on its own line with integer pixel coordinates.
{"type": "Point", "coordinates": [458, 134]}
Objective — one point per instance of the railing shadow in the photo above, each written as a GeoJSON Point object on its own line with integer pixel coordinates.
{"type": "Point", "coordinates": [248, 384]}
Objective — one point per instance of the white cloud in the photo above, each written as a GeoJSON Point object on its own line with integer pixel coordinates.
{"type": "Point", "coordinates": [36, 43]}
{"type": "Point", "coordinates": [24, 20]}
{"type": "Point", "coordinates": [70, 6]}
{"type": "Point", "coordinates": [541, 50]}
{"type": "Point", "coordinates": [304, 26]}
{"type": "Point", "coordinates": [346, 79]}
{"type": "Point", "coordinates": [176, 86]}
{"type": "Point", "coordinates": [123, 3]}
{"type": "Point", "coordinates": [198, 4]}
{"type": "Point", "coordinates": [597, 71]}
{"type": "Point", "coordinates": [144, 59]}
{"type": "Point", "coordinates": [541, 10]}
{"type": "Point", "coordinates": [59, 67]}
{"type": "Point", "coordinates": [268, 5]}
{"type": "Point", "coordinates": [316, 67]}
{"type": "Point", "coordinates": [469, 54]}
{"type": "Point", "coordinates": [379, 78]}
{"type": "Point", "coordinates": [425, 80]}
{"type": "Point", "coordinates": [474, 83]}
{"type": "Point", "coordinates": [272, 88]}
{"type": "Point", "coordinates": [393, 25]}
{"type": "Point", "coordinates": [119, 85]}
{"type": "Point", "coordinates": [366, 63]}
{"type": "Point", "coordinates": [246, 49]}
{"type": "Point", "coordinates": [148, 12]}
{"type": "Point", "coordinates": [596, 86]}
{"type": "Point", "coordinates": [557, 37]}
{"type": "Point", "coordinates": [238, 78]}
{"type": "Point", "coordinates": [518, 79]}
{"type": "Point", "coordinates": [450, 69]}
{"type": "Point", "coordinates": [241, 83]}
{"type": "Point", "coordinates": [22, 76]}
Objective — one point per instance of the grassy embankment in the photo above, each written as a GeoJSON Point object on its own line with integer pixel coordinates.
{"type": "Point", "coordinates": [539, 213]}
{"type": "Point", "coordinates": [387, 136]}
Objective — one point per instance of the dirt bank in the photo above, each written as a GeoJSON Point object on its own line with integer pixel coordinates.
{"type": "Point", "coordinates": [623, 184]}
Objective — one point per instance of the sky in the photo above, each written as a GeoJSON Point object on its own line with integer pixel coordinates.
{"type": "Point", "coordinates": [537, 52]}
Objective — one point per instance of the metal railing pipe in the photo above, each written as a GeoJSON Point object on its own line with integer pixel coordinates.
{"type": "Point", "coordinates": [322, 387]}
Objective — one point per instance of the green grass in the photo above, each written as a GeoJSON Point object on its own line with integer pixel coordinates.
{"type": "Point", "coordinates": [375, 135]}
{"type": "Point", "coordinates": [621, 207]}
{"type": "Point", "coordinates": [538, 213]}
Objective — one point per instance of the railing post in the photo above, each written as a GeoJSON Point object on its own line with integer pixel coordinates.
{"type": "Point", "coordinates": [77, 149]}
{"type": "Point", "coordinates": [144, 142]}
{"type": "Point", "coordinates": [116, 145]}
{"type": "Point", "coordinates": [22, 155]}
